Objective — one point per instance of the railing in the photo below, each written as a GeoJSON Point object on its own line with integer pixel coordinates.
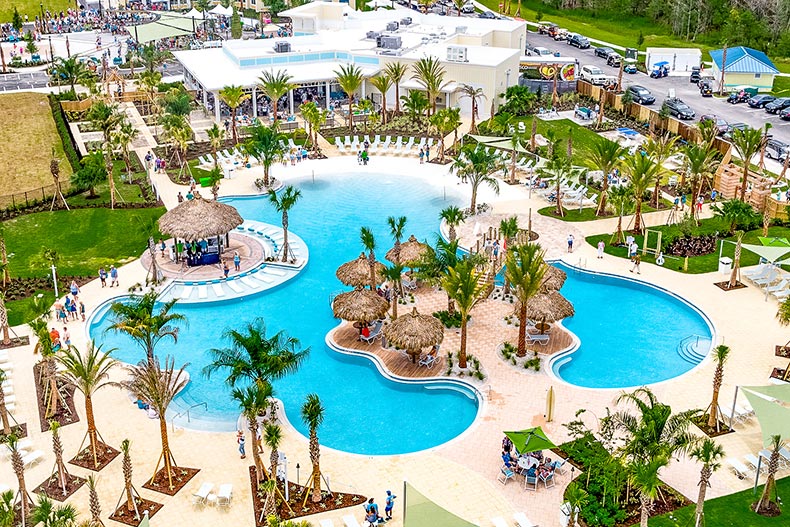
{"type": "Point", "coordinates": [186, 412]}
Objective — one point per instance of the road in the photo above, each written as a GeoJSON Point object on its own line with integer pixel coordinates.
{"type": "Point", "coordinates": [685, 90]}
{"type": "Point", "coordinates": [40, 79]}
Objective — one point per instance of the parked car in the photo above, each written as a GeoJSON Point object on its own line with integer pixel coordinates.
{"type": "Point", "coordinates": [630, 66]}
{"type": "Point", "coordinates": [759, 101]}
{"type": "Point", "coordinates": [489, 15]}
{"type": "Point", "coordinates": [735, 126]}
{"type": "Point", "coordinates": [696, 74]}
{"type": "Point", "coordinates": [660, 69]}
{"type": "Point", "coordinates": [775, 149]}
{"type": "Point", "coordinates": [706, 79]}
{"type": "Point", "coordinates": [603, 52]}
{"type": "Point", "coordinates": [538, 51]}
{"type": "Point", "coordinates": [677, 108]}
{"type": "Point", "coordinates": [469, 8]}
{"type": "Point", "coordinates": [581, 42]}
{"type": "Point", "coordinates": [592, 74]}
{"type": "Point", "coordinates": [785, 114]}
{"type": "Point", "coordinates": [777, 105]}
{"type": "Point", "coordinates": [613, 59]}
{"type": "Point", "coordinates": [706, 88]}
{"type": "Point", "coordinates": [545, 28]}
{"type": "Point", "coordinates": [720, 124]}
{"type": "Point", "coordinates": [560, 34]}
{"type": "Point", "coordinates": [640, 94]}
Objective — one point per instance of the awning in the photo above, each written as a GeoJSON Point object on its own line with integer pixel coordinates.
{"type": "Point", "coordinates": [770, 253]}
{"type": "Point", "coordinates": [773, 417]}
{"type": "Point", "coordinates": [194, 13]}
{"type": "Point", "coordinates": [530, 440]}
{"type": "Point", "coordinates": [419, 511]}
{"type": "Point", "coordinates": [167, 26]}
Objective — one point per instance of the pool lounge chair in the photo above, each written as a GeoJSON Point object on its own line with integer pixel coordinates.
{"type": "Point", "coordinates": [339, 144]}
{"type": "Point", "coordinates": [202, 292]}
{"type": "Point", "coordinates": [199, 497]}
{"type": "Point", "coordinates": [740, 470]}
{"type": "Point", "coordinates": [752, 460]}
{"type": "Point", "coordinates": [523, 521]}
{"type": "Point", "coordinates": [758, 271]}
{"type": "Point", "coordinates": [542, 339]}
{"type": "Point", "coordinates": [428, 361]}
{"type": "Point", "coordinates": [770, 276]}
{"type": "Point", "coordinates": [33, 458]}
{"type": "Point", "coordinates": [347, 141]}
{"type": "Point", "coordinates": [326, 523]}
{"type": "Point", "coordinates": [225, 494]}
{"type": "Point", "coordinates": [499, 521]}
{"type": "Point", "coordinates": [782, 285]}
{"type": "Point", "coordinates": [374, 333]}
{"type": "Point", "coordinates": [784, 455]}
{"type": "Point", "coordinates": [186, 292]}
{"type": "Point", "coordinates": [350, 521]}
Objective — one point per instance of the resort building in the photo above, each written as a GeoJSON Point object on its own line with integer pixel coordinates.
{"type": "Point", "coordinates": [744, 66]}
{"type": "Point", "coordinates": [483, 53]}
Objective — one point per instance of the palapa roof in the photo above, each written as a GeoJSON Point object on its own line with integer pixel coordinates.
{"type": "Point", "coordinates": [199, 218]}
{"type": "Point", "coordinates": [549, 306]}
{"type": "Point", "coordinates": [553, 279]}
{"type": "Point", "coordinates": [413, 331]}
{"type": "Point", "coordinates": [359, 305]}
{"type": "Point", "coordinates": [411, 251]}
{"type": "Point", "coordinates": [356, 273]}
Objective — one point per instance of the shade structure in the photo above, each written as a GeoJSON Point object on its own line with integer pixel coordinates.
{"type": "Point", "coordinates": [194, 13]}
{"type": "Point", "coordinates": [549, 307]}
{"type": "Point", "coordinates": [414, 331]}
{"type": "Point", "coordinates": [774, 242]}
{"type": "Point", "coordinates": [773, 417]}
{"type": "Point", "coordinates": [772, 253]}
{"type": "Point", "coordinates": [168, 25]}
{"type": "Point", "coordinates": [419, 511]}
{"type": "Point", "coordinates": [198, 219]}
{"type": "Point", "coordinates": [359, 305]}
{"type": "Point", "coordinates": [530, 440]}
{"type": "Point", "coordinates": [356, 273]}
{"type": "Point", "coordinates": [411, 251]}
{"type": "Point", "coordinates": [553, 279]}
{"type": "Point", "coordinates": [224, 11]}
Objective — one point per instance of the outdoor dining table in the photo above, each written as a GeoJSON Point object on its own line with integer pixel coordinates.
{"type": "Point", "coordinates": [527, 462]}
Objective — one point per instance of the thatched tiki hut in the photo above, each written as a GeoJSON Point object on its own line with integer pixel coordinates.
{"type": "Point", "coordinates": [549, 307]}
{"type": "Point", "coordinates": [413, 332]}
{"type": "Point", "coordinates": [200, 229]}
{"type": "Point", "coordinates": [408, 253]}
{"type": "Point", "coordinates": [359, 305]}
{"type": "Point", "coordinates": [553, 279]}
{"type": "Point", "coordinates": [356, 273]}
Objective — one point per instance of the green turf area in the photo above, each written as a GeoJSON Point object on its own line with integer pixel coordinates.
{"type": "Point", "coordinates": [583, 137]}
{"type": "Point", "coordinates": [21, 311]}
{"type": "Point", "coordinates": [31, 8]}
{"type": "Point", "coordinates": [781, 86]}
{"type": "Point", "coordinates": [572, 214]}
{"type": "Point", "coordinates": [696, 264]}
{"type": "Point", "coordinates": [130, 193]}
{"type": "Point", "coordinates": [84, 239]}
{"type": "Point", "coordinates": [727, 511]}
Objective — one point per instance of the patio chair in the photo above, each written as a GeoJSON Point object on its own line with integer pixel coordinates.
{"type": "Point", "coordinates": [339, 144]}
{"type": "Point", "coordinates": [548, 481]}
{"type": "Point", "coordinates": [224, 494]}
{"type": "Point", "coordinates": [429, 360]}
{"type": "Point", "coordinates": [523, 521]}
{"type": "Point", "coordinates": [347, 141]}
{"type": "Point", "coordinates": [738, 467]}
{"type": "Point", "coordinates": [752, 460]}
{"type": "Point", "coordinates": [367, 139]}
{"type": "Point", "coordinates": [771, 276]}
{"type": "Point", "coordinates": [505, 474]}
{"type": "Point", "coordinates": [409, 145]}
{"type": "Point", "coordinates": [758, 271]}
{"type": "Point", "coordinates": [32, 458]}
{"type": "Point", "coordinates": [559, 465]}
{"type": "Point", "coordinates": [430, 142]}
{"type": "Point", "coordinates": [374, 333]}
{"type": "Point", "coordinates": [377, 139]}
{"type": "Point", "coordinates": [499, 521]}
{"type": "Point", "coordinates": [409, 285]}
{"type": "Point", "coordinates": [199, 497]}
{"type": "Point", "coordinates": [350, 521]}
{"type": "Point", "coordinates": [782, 285]}
{"type": "Point", "coordinates": [542, 339]}
{"type": "Point", "coordinates": [530, 482]}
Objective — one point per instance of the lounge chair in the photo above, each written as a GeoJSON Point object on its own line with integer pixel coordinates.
{"type": "Point", "coordinates": [377, 139]}
{"type": "Point", "coordinates": [766, 455]}
{"type": "Point", "coordinates": [225, 494]}
{"type": "Point", "coordinates": [409, 285]}
{"type": "Point", "coordinates": [409, 145]}
{"type": "Point", "coordinates": [199, 497]}
{"type": "Point", "coordinates": [738, 467]}
{"type": "Point", "coordinates": [784, 455]}
{"type": "Point", "coordinates": [350, 521]}
{"type": "Point", "coordinates": [326, 523]}
{"type": "Point", "coordinates": [252, 284]}
{"type": "Point", "coordinates": [758, 271]}
{"type": "Point", "coordinates": [771, 277]}
{"type": "Point", "coordinates": [292, 144]}
{"type": "Point", "coordinates": [340, 146]}
{"type": "Point", "coordinates": [542, 339]}
{"type": "Point", "coordinates": [752, 460]}
{"type": "Point", "coordinates": [429, 360]}
{"type": "Point", "coordinates": [499, 521]}
{"type": "Point", "coordinates": [234, 286]}
{"type": "Point", "coordinates": [523, 521]}
{"type": "Point", "coordinates": [33, 458]}
{"type": "Point", "coordinates": [505, 474]}
{"type": "Point", "coordinates": [782, 285]}
{"type": "Point", "coordinates": [374, 333]}
{"type": "Point", "coordinates": [347, 141]}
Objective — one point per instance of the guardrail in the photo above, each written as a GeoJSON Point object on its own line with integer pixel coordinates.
{"type": "Point", "coordinates": [186, 412]}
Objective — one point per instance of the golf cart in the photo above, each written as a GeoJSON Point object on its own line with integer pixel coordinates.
{"type": "Point", "coordinates": [630, 66]}
{"type": "Point", "coordinates": [660, 69]}
{"type": "Point", "coordinates": [740, 94]}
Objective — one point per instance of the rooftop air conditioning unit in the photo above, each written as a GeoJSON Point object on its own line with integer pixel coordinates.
{"type": "Point", "coordinates": [282, 47]}
{"type": "Point", "coordinates": [461, 30]}
{"type": "Point", "coordinates": [372, 35]}
{"type": "Point", "coordinates": [457, 54]}
{"type": "Point", "coordinates": [405, 21]}
{"type": "Point", "coordinates": [392, 26]}
{"type": "Point", "coordinates": [390, 42]}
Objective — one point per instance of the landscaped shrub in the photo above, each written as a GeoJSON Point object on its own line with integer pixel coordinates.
{"type": "Point", "coordinates": [65, 134]}
{"type": "Point", "coordinates": [450, 321]}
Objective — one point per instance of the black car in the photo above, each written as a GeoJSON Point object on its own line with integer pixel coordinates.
{"type": "Point", "coordinates": [578, 40]}
{"type": "Point", "coordinates": [640, 94]}
{"type": "Point", "coordinates": [735, 126]}
{"type": "Point", "coordinates": [613, 59]}
{"type": "Point", "coordinates": [775, 149]}
{"type": "Point", "coordinates": [719, 124]}
{"type": "Point", "coordinates": [695, 74]}
{"type": "Point", "coordinates": [706, 88]}
{"type": "Point", "coordinates": [679, 109]}
{"type": "Point", "coordinates": [759, 101]}
{"type": "Point", "coordinates": [777, 105]}
{"type": "Point", "coordinates": [603, 52]}
{"type": "Point", "coordinates": [785, 114]}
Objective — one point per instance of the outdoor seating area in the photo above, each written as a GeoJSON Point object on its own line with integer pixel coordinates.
{"type": "Point", "coordinates": [772, 279]}
{"type": "Point", "coordinates": [573, 194]}
{"type": "Point", "coordinates": [524, 460]}
{"type": "Point", "coordinates": [388, 145]}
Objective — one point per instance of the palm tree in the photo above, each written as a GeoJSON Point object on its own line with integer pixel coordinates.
{"type": "Point", "coordinates": [393, 275]}
{"type": "Point", "coordinates": [462, 285]}
{"type": "Point", "coordinates": [453, 217]}
{"type": "Point", "coordinates": [720, 356]}
{"type": "Point", "coordinates": [429, 72]}
{"type": "Point", "coordinates": [106, 118]}
{"type": "Point", "coordinates": [709, 453]}
{"type": "Point", "coordinates": [313, 416]}
{"type": "Point", "coordinates": [123, 138]}
{"type": "Point", "coordinates": [369, 244]}
{"type": "Point", "coordinates": [769, 490]}
{"type": "Point", "coordinates": [282, 203]}
{"type": "Point", "coordinates": [48, 514]}
{"type": "Point", "coordinates": [443, 123]}
{"type": "Point", "coordinates": [396, 225]}
{"type": "Point", "coordinates": [476, 165]}
{"type": "Point", "coordinates": [660, 149]}
{"type": "Point", "coordinates": [252, 356]}
{"type": "Point", "coordinates": [63, 475]}
{"type": "Point", "coordinates": [700, 164]}
{"type": "Point", "coordinates": [747, 142]}
{"type": "Point", "coordinates": [560, 168]}
{"type": "Point", "coordinates": [642, 171]}
{"type": "Point", "coordinates": [158, 386]}
{"type": "Point", "coordinates": [396, 71]}
{"type": "Point", "coordinates": [273, 437]}
{"type": "Point", "coordinates": [382, 83]}
{"type": "Point", "coordinates": [350, 78]}
{"type": "Point", "coordinates": [3, 409]}
{"type": "Point", "coordinates": [233, 96]}
{"type": "Point", "coordinates": [605, 156]}
{"type": "Point", "coordinates": [93, 503]}
{"type": "Point", "coordinates": [129, 492]}
{"type": "Point", "coordinates": [138, 319]}
{"type": "Point", "coordinates": [18, 465]}
{"type": "Point", "coordinates": [4, 317]}
{"type": "Point", "coordinates": [149, 81]}
{"type": "Point", "coordinates": [736, 213]}
{"type": "Point", "coordinates": [474, 94]}
{"type": "Point", "coordinates": [49, 376]}
{"type": "Point", "coordinates": [524, 268]}
{"type": "Point", "coordinates": [253, 400]}
{"type": "Point", "coordinates": [266, 144]}
{"type": "Point", "coordinates": [216, 137]}
{"type": "Point", "coordinates": [643, 476]}
{"type": "Point", "coordinates": [7, 512]}
{"type": "Point", "coordinates": [88, 373]}
{"type": "Point", "coordinates": [72, 71]}
{"type": "Point", "coordinates": [275, 85]}
{"type": "Point", "coordinates": [415, 103]}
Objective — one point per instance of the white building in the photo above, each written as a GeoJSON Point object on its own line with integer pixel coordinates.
{"type": "Point", "coordinates": [480, 52]}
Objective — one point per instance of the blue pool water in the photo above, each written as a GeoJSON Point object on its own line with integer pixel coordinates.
{"type": "Point", "coordinates": [365, 413]}
{"type": "Point", "coordinates": [629, 333]}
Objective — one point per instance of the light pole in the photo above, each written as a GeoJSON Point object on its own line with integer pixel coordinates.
{"type": "Point", "coordinates": [55, 279]}
{"type": "Point", "coordinates": [297, 474]}
{"type": "Point", "coordinates": [507, 79]}
{"type": "Point", "coordinates": [283, 462]}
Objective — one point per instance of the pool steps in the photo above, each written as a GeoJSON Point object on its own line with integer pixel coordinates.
{"type": "Point", "coordinates": [689, 347]}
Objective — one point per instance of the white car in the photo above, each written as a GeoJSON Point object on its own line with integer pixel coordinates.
{"type": "Point", "coordinates": [592, 74]}
{"type": "Point", "coordinates": [468, 9]}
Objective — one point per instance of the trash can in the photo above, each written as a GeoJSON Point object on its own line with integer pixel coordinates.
{"type": "Point", "coordinates": [725, 265]}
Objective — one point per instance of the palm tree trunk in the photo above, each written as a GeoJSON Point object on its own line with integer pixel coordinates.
{"type": "Point", "coordinates": [92, 434]}
{"type": "Point", "coordinates": [645, 511]}
{"type": "Point", "coordinates": [657, 190]}
{"type": "Point", "coordinates": [266, 174]}
{"type": "Point", "coordinates": [4, 414]}
{"type": "Point", "coordinates": [745, 178]}
{"type": "Point", "coordinates": [462, 352]}
{"type": "Point", "coordinates": [394, 299]}
{"type": "Point", "coordinates": [54, 396]}
{"type": "Point", "coordinates": [558, 193]}
{"type": "Point", "coordinates": [397, 98]}
{"type": "Point", "coordinates": [315, 459]}
{"type": "Point", "coordinates": [703, 488]}
{"type": "Point", "coordinates": [233, 125]}
{"type": "Point", "coordinates": [513, 167]}
{"type": "Point", "coordinates": [260, 470]}
{"type": "Point", "coordinates": [285, 236]}
{"type": "Point", "coordinates": [166, 455]}
{"type": "Point", "coordinates": [473, 124]}
{"type": "Point", "coordinates": [638, 216]}
{"type": "Point", "coordinates": [452, 233]}
{"type": "Point", "coordinates": [713, 415]}
{"type": "Point", "coordinates": [473, 205]}
{"type": "Point", "coordinates": [350, 115]}
{"type": "Point", "coordinates": [602, 203]}
{"type": "Point", "coordinates": [522, 330]}
{"type": "Point", "coordinates": [450, 306]}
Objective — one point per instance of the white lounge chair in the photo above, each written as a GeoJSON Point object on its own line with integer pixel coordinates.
{"type": "Point", "coordinates": [202, 494]}
{"type": "Point", "coordinates": [542, 339]}
{"type": "Point", "coordinates": [218, 291]}
{"type": "Point", "coordinates": [771, 277]}
{"type": "Point", "coordinates": [340, 146]}
{"type": "Point", "coordinates": [523, 521]}
{"type": "Point", "coordinates": [738, 467]}
{"type": "Point", "coordinates": [429, 360]}
{"type": "Point", "coordinates": [752, 460]}
{"type": "Point", "coordinates": [758, 271]}
{"type": "Point", "coordinates": [225, 494]}
{"type": "Point", "coordinates": [347, 142]}
{"type": "Point", "coordinates": [326, 523]}
{"type": "Point", "coordinates": [375, 333]}
{"type": "Point", "coordinates": [350, 521]}
{"type": "Point", "coordinates": [202, 292]}
{"type": "Point", "coordinates": [499, 521]}
{"type": "Point", "coordinates": [250, 282]}
{"type": "Point", "coordinates": [33, 458]}
{"type": "Point", "coordinates": [782, 285]}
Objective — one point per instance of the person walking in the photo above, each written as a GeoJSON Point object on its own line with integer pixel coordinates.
{"type": "Point", "coordinates": [240, 440]}
{"type": "Point", "coordinates": [225, 270]}
{"type": "Point", "coordinates": [389, 503]}
{"type": "Point", "coordinates": [570, 243]}
{"type": "Point", "coordinates": [637, 261]}
{"type": "Point", "coordinates": [601, 246]}
{"type": "Point", "coordinates": [103, 277]}
{"type": "Point", "coordinates": [114, 277]}
{"type": "Point", "coordinates": [82, 311]}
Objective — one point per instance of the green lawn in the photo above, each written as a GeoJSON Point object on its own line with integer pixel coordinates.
{"type": "Point", "coordinates": [583, 137]}
{"type": "Point", "coordinates": [31, 8]}
{"type": "Point", "coordinates": [129, 193]}
{"type": "Point", "coordinates": [572, 214]}
{"type": "Point", "coordinates": [84, 239]}
{"type": "Point", "coordinates": [21, 311]}
{"type": "Point", "coordinates": [727, 511]}
{"type": "Point", "coordinates": [781, 85]}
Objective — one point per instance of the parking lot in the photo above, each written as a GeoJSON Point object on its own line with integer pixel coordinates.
{"type": "Point", "coordinates": [688, 92]}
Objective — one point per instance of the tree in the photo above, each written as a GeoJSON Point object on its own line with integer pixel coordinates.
{"type": "Point", "coordinates": [434, 265]}
{"type": "Point", "coordinates": [393, 274]}
{"type": "Point", "coordinates": [7, 512]}
{"type": "Point", "coordinates": [129, 492]}
{"type": "Point", "coordinates": [462, 285]}
{"type": "Point", "coordinates": [106, 118]}
{"type": "Point", "coordinates": [177, 102]}
{"type": "Point", "coordinates": [253, 401]}
{"type": "Point", "coordinates": [313, 416]}
{"type": "Point", "coordinates": [214, 178]}
{"type": "Point", "coordinates": [18, 466]}
{"type": "Point", "coordinates": [92, 174]}
{"type": "Point", "coordinates": [158, 386]}
{"type": "Point", "coordinates": [123, 138]}
{"type": "Point", "coordinates": [3, 409]}
{"type": "Point", "coordinates": [273, 437]}
{"type": "Point", "coordinates": [365, 108]}
{"type": "Point", "coordinates": [453, 217]}
{"type": "Point", "coordinates": [369, 244]}
{"type": "Point", "coordinates": [397, 226]}
{"type": "Point", "coordinates": [700, 164]}
{"type": "Point", "coordinates": [49, 378]}
{"type": "Point", "coordinates": [350, 78]}
{"type": "Point", "coordinates": [720, 356]}
{"type": "Point", "coordinates": [558, 168]}
{"type": "Point", "coordinates": [769, 490]}
{"type": "Point", "coordinates": [642, 171]}
{"type": "Point", "coordinates": [216, 137]}
{"type": "Point", "coordinates": [71, 71]}
{"type": "Point", "coordinates": [274, 85]}
{"type": "Point", "coordinates": [747, 142]}
{"type": "Point", "coordinates": [643, 476]}
{"type": "Point", "coordinates": [454, 122]}
{"type": "Point", "coordinates": [151, 56]}
{"type": "Point", "coordinates": [138, 319]}
{"type": "Point", "coordinates": [396, 71]}
{"type": "Point", "coordinates": [4, 318]}
{"type": "Point", "coordinates": [415, 104]}
{"type": "Point", "coordinates": [93, 503]}
{"type": "Point", "coordinates": [233, 96]}
{"type": "Point", "coordinates": [476, 165]}
{"type": "Point", "coordinates": [382, 83]}
{"type": "Point", "coordinates": [88, 372]}
{"type": "Point", "coordinates": [737, 213]}
{"type": "Point", "coordinates": [266, 145]}
{"type": "Point", "coordinates": [524, 268]}
{"type": "Point", "coordinates": [48, 514]}
{"type": "Point", "coordinates": [235, 24]}
{"type": "Point", "coordinates": [283, 203]}
{"type": "Point", "coordinates": [709, 454]}
{"type": "Point", "coordinates": [254, 357]}
{"type": "Point", "coordinates": [150, 80]}
{"type": "Point", "coordinates": [443, 123]}
{"type": "Point", "coordinates": [605, 156]}
{"type": "Point", "coordinates": [16, 20]}
{"type": "Point", "coordinates": [429, 72]}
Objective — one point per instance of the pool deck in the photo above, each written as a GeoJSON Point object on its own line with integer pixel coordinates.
{"type": "Point", "coordinates": [459, 475]}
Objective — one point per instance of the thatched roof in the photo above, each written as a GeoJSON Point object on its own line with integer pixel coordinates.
{"type": "Point", "coordinates": [553, 279]}
{"type": "Point", "coordinates": [356, 273]}
{"type": "Point", "coordinates": [359, 305]}
{"type": "Point", "coordinates": [549, 306]}
{"type": "Point", "coordinates": [411, 251]}
{"type": "Point", "coordinates": [199, 218]}
{"type": "Point", "coordinates": [413, 331]}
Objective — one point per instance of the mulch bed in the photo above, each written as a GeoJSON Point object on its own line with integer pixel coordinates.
{"type": "Point", "coordinates": [771, 511]}
{"type": "Point", "coordinates": [104, 455]}
{"type": "Point", "coordinates": [725, 286]}
{"type": "Point", "coordinates": [123, 515]}
{"type": "Point", "coordinates": [51, 488]}
{"type": "Point", "coordinates": [338, 500]}
{"type": "Point", "coordinates": [18, 430]}
{"type": "Point", "coordinates": [778, 373]}
{"type": "Point", "coordinates": [66, 414]}
{"type": "Point", "coordinates": [782, 351]}
{"type": "Point", "coordinates": [181, 476]}
{"type": "Point", "coordinates": [702, 424]}
{"type": "Point", "coordinates": [15, 343]}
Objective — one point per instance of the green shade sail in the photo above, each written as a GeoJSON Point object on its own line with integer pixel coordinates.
{"type": "Point", "coordinates": [167, 26]}
{"type": "Point", "coordinates": [774, 242]}
{"type": "Point", "coordinates": [530, 440]}
{"type": "Point", "coordinates": [419, 511]}
{"type": "Point", "coordinates": [773, 417]}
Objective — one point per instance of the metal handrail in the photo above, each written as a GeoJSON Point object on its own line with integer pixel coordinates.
{"type": "Point", "coordinates": [186, 412]}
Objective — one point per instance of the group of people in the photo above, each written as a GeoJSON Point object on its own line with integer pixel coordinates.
{"type": "Point", "coordinates": [372, 516]}
{"type": "Point", "coordinates": [71, 308]}
{"type": "Point", "coordinates": [112, 275]}
{"type": "Point", "coordinates": [425, 155]}
{"type": "Point", "coordinates": [530, 464]}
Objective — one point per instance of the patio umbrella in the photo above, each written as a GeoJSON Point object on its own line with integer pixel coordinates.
{"type": "Point", "coordinates": [774, 242]}
{"type": "Point", "coordinates": [359, 305]}
{"type": "Point", "coordinates": [198, 219]}
{"type": "Point", "coordinates": [530, 440]}
{"type": "Point", "coordinates": [549, 307]}
{"type": "Point", "coordinates": [356, 273]}
{"type": "Point", "coordinates": [414, 331]}
{"type": "Point", "coordinates": [553, 279]}
{"type": "Point", "coordinates": [409, 252]}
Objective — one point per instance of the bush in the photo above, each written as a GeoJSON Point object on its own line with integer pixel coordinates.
{"type": "Point", "coordinates": [164, 87]}
{"type": "Point", "coordinates": [65, 134]}
{"type": "Point", "coordinates": [450, 321]}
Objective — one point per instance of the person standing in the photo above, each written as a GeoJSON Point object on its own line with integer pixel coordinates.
{"type": "Point", "coordinates": [225, 270]}
{"type": "Point", "coordinates": [700, 201]}
{"type": "Point", "coordinates": [74, 289]}
{"type": "Point", "coordinates": [601, 246]}
{"type": "Point", "coordinates": [240, 440]}
{"type": "Point", "coordinates": [180, 197]}
{"type": "Point", "coordinates": [683, 201]}
{"type": "Point", "coordinates": [66, 337]}
{"type": "Point", "coordinates": [570, 243]}
{"type": "Point", "coordinates": [82, 311]}
{"type": "Point", "coordinates": [114, 276]}
{"type": "Point", "coordinates": [103, 277]}
{"type": "Point", "coordinates": [422, 155]}
{"type": "Point", "coordinates": [389, 504]}
{"type": "Point", "coordinates": [637, 261]}
{"type": "Point", "coordinates": [236, 260]}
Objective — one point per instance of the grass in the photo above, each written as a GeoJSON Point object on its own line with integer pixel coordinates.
{"type": "Point", "coordinates": [27, 137]}
{"type": "Point", "coordinates": [572, 213]}
{"type": "Point", "coordinates": [129, 193]}
{"type": "Point", "coordinates": [781, 86]}
{"type": "Point", "coordinates": [21, 311]}
{"type": "Point", "coordinates": [727, 511]}
{"type": "Point", "coordinates": [31, 8]}
{"type": "Point", "coordinates": [84, 239]}
{"type": "Point", "coordinates": [583, 138]}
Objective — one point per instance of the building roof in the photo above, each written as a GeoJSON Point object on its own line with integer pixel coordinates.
{"type": "Point", "coordinates": [743, 60]}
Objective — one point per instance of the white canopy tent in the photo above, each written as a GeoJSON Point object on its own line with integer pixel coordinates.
{"type": "Point", "coordinates": [223, 11]}
{"type": "Point", "coordinates": [194, 13]}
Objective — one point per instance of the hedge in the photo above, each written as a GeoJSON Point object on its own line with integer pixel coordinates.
{"type": "Point", "coordinates": [65, 134]}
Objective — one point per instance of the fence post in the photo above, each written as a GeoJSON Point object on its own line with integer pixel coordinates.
{"type": "Point", "coordinates": [13, 202]}
{"type": "Point", "coordinates": [27, 204]}
{"type": "Point", "coordinates": [43, 197]}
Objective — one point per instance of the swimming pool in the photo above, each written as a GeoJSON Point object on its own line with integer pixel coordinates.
{"type": "Point", "coordinates": [631, 333]}
{"type": "Point", "coordinates": [366, 413]}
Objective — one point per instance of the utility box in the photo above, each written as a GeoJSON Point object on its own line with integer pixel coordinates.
{"type": "Point", "coordinates": [725, 265]}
